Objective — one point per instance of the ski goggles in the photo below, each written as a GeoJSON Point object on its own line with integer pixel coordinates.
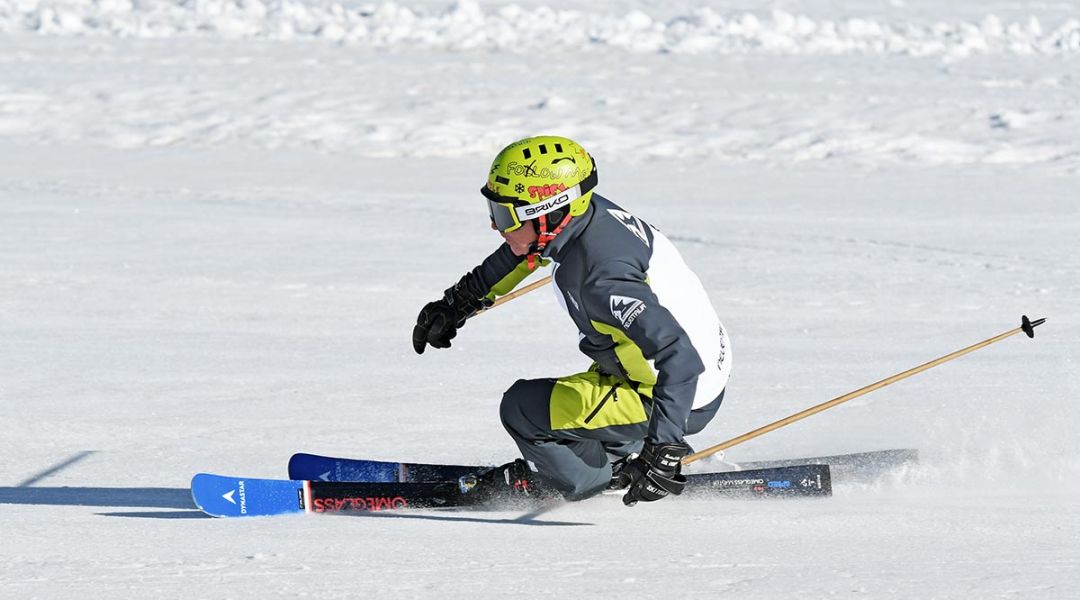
{"type": "Point", "coordinates": [508, 212]}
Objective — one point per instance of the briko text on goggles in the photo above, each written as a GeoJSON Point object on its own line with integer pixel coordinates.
{"type": "Point", "coordinates": [508, 213]}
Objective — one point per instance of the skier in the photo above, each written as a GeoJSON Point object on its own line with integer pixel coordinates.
{"type": "Point", "coordinates": [661, 356]}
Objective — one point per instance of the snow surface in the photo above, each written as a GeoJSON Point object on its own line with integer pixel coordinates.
{"type": "Point", "coordinates": [219, 219]}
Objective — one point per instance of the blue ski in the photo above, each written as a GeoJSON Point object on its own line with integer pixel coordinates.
{"type": "Point", "coordinates": [782, 481]}
{"type": "Point", "coordinates": [222, 496]}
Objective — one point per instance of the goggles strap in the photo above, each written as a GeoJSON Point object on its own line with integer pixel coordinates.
{"type": "Point", "coordinates": [545, 237]}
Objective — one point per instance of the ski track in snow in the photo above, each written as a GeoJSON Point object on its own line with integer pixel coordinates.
{"type": "Point", "coordinates": [219, 219]}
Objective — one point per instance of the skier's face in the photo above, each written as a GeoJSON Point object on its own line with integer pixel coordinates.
{"type": "Point", "coordinates": [521, 238]}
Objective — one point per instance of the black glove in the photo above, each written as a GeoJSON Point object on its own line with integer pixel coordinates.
{"type": "Point", "coordinates": [654, 474]}
{"type": "Point", "coordinates": [439, 320]}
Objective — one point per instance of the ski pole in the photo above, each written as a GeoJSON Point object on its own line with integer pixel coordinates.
{"type": "Point", "coordinates": [539, 283]}
{"type": "Point", "coordinates": [1027, 326]}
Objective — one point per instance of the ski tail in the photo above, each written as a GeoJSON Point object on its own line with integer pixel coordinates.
{"type": "Point", "coordinates": [777, 482]}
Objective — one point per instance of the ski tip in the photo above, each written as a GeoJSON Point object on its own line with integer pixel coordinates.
{"type": "Point", "coordinates": [1029, 326]}
{"type": "Point", "coordinates": [199, 481]}
{"type": "Point", "coordinates": [217, 495]}
{"type": "Point", "coordinates": [301, 457]}
{"type": "Point", "coordinates": [309, 466]}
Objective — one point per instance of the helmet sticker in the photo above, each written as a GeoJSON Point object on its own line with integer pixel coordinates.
{"type": "Point", "coordinates": [556, 171]}
{"type": "Point", "coordinates": [517, 168]}
{"type": "Point", "coordinates": [543, 191]}
{"type": "Point", "coordinates": [626, 309]}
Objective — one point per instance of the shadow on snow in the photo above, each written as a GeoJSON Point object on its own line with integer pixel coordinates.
{"type": "Point", "coordinates": [147, 497]}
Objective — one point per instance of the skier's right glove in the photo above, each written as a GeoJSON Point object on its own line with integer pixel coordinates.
{"type": "Point", "coordinates": [655, 474]}
{"type": "Point", "coordinates": [439, 321]}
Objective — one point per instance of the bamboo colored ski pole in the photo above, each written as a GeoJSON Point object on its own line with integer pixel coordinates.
{"type": "Point", "coordinates": [1027, 326]}
{"type": "Point", "coordinates": [539, 283]}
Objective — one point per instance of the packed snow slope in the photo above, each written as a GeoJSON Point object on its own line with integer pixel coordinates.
{"type": "Point", "coordinates": [218, 221]}
{"type": "Point", "coordinates": [993, 86]}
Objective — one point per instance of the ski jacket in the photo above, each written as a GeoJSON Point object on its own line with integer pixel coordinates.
{"type": "Point", "coordinates": [641, 313]}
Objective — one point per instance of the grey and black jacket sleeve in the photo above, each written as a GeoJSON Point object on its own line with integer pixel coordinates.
{"type": "Point", "coordinates": [618, 296]}
{"type": "Point", "coordinates": [498, 274]}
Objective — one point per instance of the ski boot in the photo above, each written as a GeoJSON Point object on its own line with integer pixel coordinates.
{"type": "Point", "coordinates": [512, 481]}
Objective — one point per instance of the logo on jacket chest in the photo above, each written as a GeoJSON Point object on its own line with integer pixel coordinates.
{"type": "Point", "coordinates": [626, 309]}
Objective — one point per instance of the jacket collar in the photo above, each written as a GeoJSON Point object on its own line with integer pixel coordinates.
{"type": "Point", "coordinates": [561, 245]}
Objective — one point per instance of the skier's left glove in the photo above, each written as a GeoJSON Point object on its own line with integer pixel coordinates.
{"type": "Point", "coordinates": [439, 321]}
{"type": "Point", "coordinates": [655, 474]}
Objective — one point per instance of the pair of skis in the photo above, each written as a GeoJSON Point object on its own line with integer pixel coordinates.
{"type": "Point", "coordinates": [320, 484]}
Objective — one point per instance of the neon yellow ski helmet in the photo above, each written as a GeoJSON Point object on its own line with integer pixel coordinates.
{"type": "Point", "coordinates": [545, 176]}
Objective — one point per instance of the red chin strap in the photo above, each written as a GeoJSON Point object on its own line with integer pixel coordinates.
{"type": "Point", "coordinates": [544, 238]}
